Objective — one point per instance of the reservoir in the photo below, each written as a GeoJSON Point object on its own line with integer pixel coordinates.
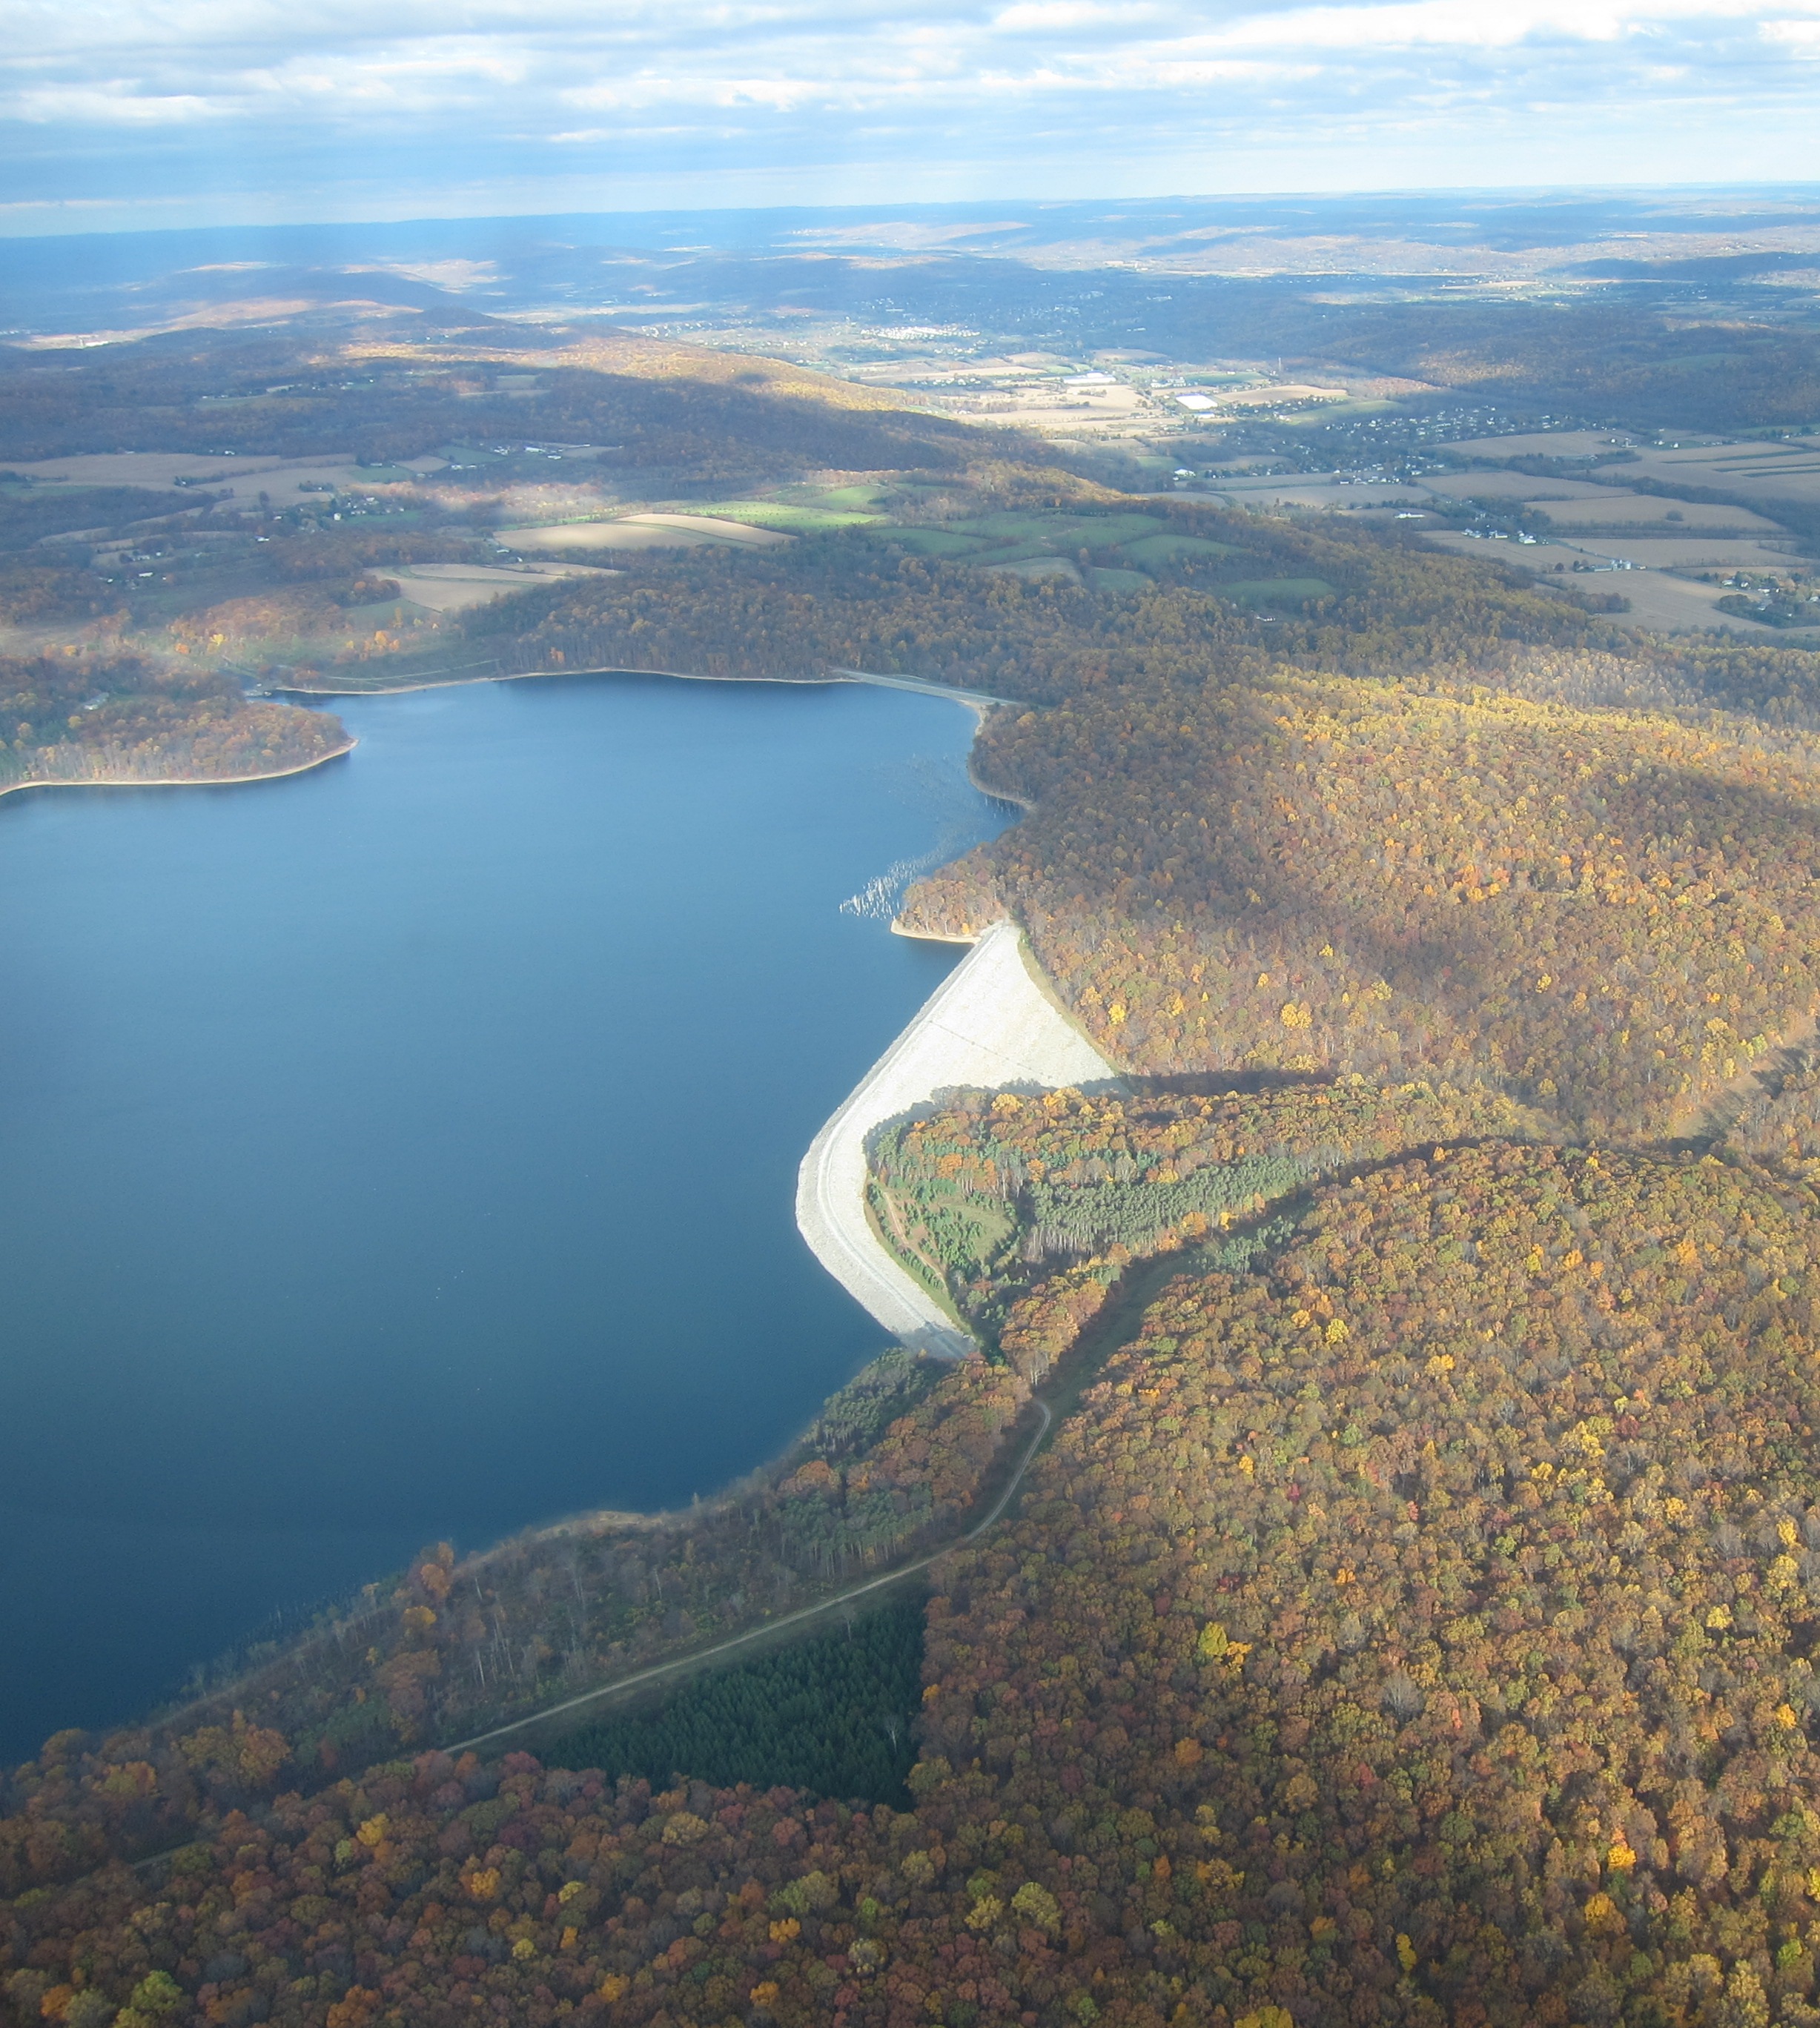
{"type": "Point", "coordinates": [405, 1150]}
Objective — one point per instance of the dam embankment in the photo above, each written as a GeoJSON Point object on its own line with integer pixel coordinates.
{"type": "Point", "coordinates": [988, 1024]}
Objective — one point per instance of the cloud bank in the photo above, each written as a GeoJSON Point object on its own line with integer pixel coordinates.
{"type": "Point", "coordinates": [183, 111]}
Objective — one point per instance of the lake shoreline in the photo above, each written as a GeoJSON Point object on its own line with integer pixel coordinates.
{"type": "Point", "coordinates": [981, 703]}
{"type": "Point", "coordinates": [316, 850]}
{"type": "Point", "coordinates": [187, 781]}
{"type": "Point", "coordinates": [978, 702]}
{"type": "Point", "coordinates": [455, 682]}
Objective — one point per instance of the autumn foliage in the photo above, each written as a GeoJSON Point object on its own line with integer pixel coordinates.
{"type": "Point", "coordinates": [1413, 1619]}
{"type": "Point", "coordinates": [1611, 912]}
{"type": "Point", "coordinates": [1413, 1630]}
{"type": "Point", "coordinates": [895, 1464]}
{"type": "Point", "coordinates": [986, 1197]}
{"type": "Point", "coordinates": [100, 718]}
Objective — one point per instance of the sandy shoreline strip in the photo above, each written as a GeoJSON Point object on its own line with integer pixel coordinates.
{"type": "Point", "coordinates": [988, 1024]}
{"type": "Point", "coordinates": [183, 781]}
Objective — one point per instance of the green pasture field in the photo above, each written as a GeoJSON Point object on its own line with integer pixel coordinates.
{"type": "Point", "coordinates": [1161, 549]}
{"type": "Point", "coordinates": [932, 541]}
{"type": "Point", "coordinates": [1002, 540]}
{"type": "Point", "coordinates": [14, 487]}
{"type": "Point", "coordinates": [861, 498]}
{"type": "Point", "coordinates": [1033, 567]}
{"type": "Point", "coordinates": [1016, 552]}
{"type": "Point", "coordinates": [1090, 531]}
{"type": "Point", "coordinates": [366, 618]}
{"type": "Point", "coordinates": [782, 515]}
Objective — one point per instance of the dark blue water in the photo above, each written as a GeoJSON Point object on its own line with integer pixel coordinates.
{"type": "Point", "coordinates": [405, 1150]}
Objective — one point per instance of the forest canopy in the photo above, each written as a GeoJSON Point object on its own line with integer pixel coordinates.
{"type": "Point", "coordinates": [1414, 1630]}
{"type": "Point", "coordinates": [1610, 913]}
{"type": "Point", "coordinates": [1409, 1615]}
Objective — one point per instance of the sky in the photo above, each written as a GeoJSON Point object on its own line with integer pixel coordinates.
{"type": "Point", "coordinates": [116, 114]}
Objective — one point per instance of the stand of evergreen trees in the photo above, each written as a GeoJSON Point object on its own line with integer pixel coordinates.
{"type": "Point", "coordinates": [831, 1714]}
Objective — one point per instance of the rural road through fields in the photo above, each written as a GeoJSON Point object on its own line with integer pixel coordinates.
{"type": "Point", "coordinates": [796, 1618]}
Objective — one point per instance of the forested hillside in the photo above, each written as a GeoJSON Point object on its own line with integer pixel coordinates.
{"type": "Point", "coordinates": [1593, 357]}
{"type": "Point", "coordinates": [1429, 822]}
{"type": "Point", "coordinates": [896, 1464]}
{"type": "Point", "coordinates": [1210, 590]}
{"type": "Point", "coordinates": [1025, 1211]}
{"type": "Point", "coordinates": [111, 718]}
{"type": "Point", "coordinates": [1612, 911]}
{"type": "Point", "coordinates": [659, 406]}
{"type": "Point", "coordinates": [1415, 1629]}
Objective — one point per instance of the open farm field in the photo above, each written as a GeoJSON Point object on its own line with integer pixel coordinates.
{"type": "Point", "coordinates": [1539, 555]}
{"type": "Point", "coordinates": [1090, 530]}
{"type": "Point", "coordinates": [787, 516]}
{"type": "Point", "coordinates": [562, 537]}
{"type": "Point", "coordinates": [1325, 490]}
{"type": "Point", "coordinates": [1546, 443]}
{"type": "Point", "coordinates": [1766, 471]}
{"type": "Point", "coordinates": [932, 541]}
{"type": "Point", "coordinates": [284, 481]}
{"type": "Point", "coordinates": [1678, 605]}
{"type": "Point", "coordinates": [456, 587]}
{"type": "Point", "coordinates": [1049, 408]}
{"type": "Point", "coordinates": [1699, 553]}
{"type": "Point", "coordinates": [1613, 509]}
{"type": "Point", "coordinates": [641, 532]}
{"type": "Point", "coordinates": [864, 497]}
{"type": "Point", "coordinates": [143, 467]}
{"type": "Point", "coordinates": [1155, 549]}
{"type": "Point", "coordinates": [1481, 485]}
{"type": "Point", "coordinates": [1033, 544]}
{"type": "Point", "coordinates": [1656, 599]}
{"type": "Point", "coordinates": [1278, 393]}
{"type": "Point", "coordinates": [1035, 567]}
{"type": "Point", "coordinates": [754, 533]}
{"type": "Point", "coordinates": [1782, 471]}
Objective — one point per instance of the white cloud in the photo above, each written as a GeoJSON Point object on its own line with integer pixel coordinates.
{"type": "Point", "coordinates": [795, 85]}
{"type": "Point", "coordinates": [1801, 38]}
{"type": "Point", "coordinates": [113, 103]}
{"type": "Point", "coordinates": [1471, 24]}
{"type": "Point", "coordinates": [1056, 16]}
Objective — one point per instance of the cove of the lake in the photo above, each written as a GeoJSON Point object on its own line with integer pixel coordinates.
{"type": "Point", "coordinates": [404, 1150]}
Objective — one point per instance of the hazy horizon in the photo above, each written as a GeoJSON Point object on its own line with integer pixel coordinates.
{"type": "Point", "coordinates": [241, 112]}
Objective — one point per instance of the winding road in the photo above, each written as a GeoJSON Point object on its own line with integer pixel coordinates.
{"type": "Point", "coordinates": [807, 1612]}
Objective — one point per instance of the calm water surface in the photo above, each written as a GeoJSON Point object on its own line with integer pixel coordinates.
{"type": "Point", "coordinates": [405, 1150]}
